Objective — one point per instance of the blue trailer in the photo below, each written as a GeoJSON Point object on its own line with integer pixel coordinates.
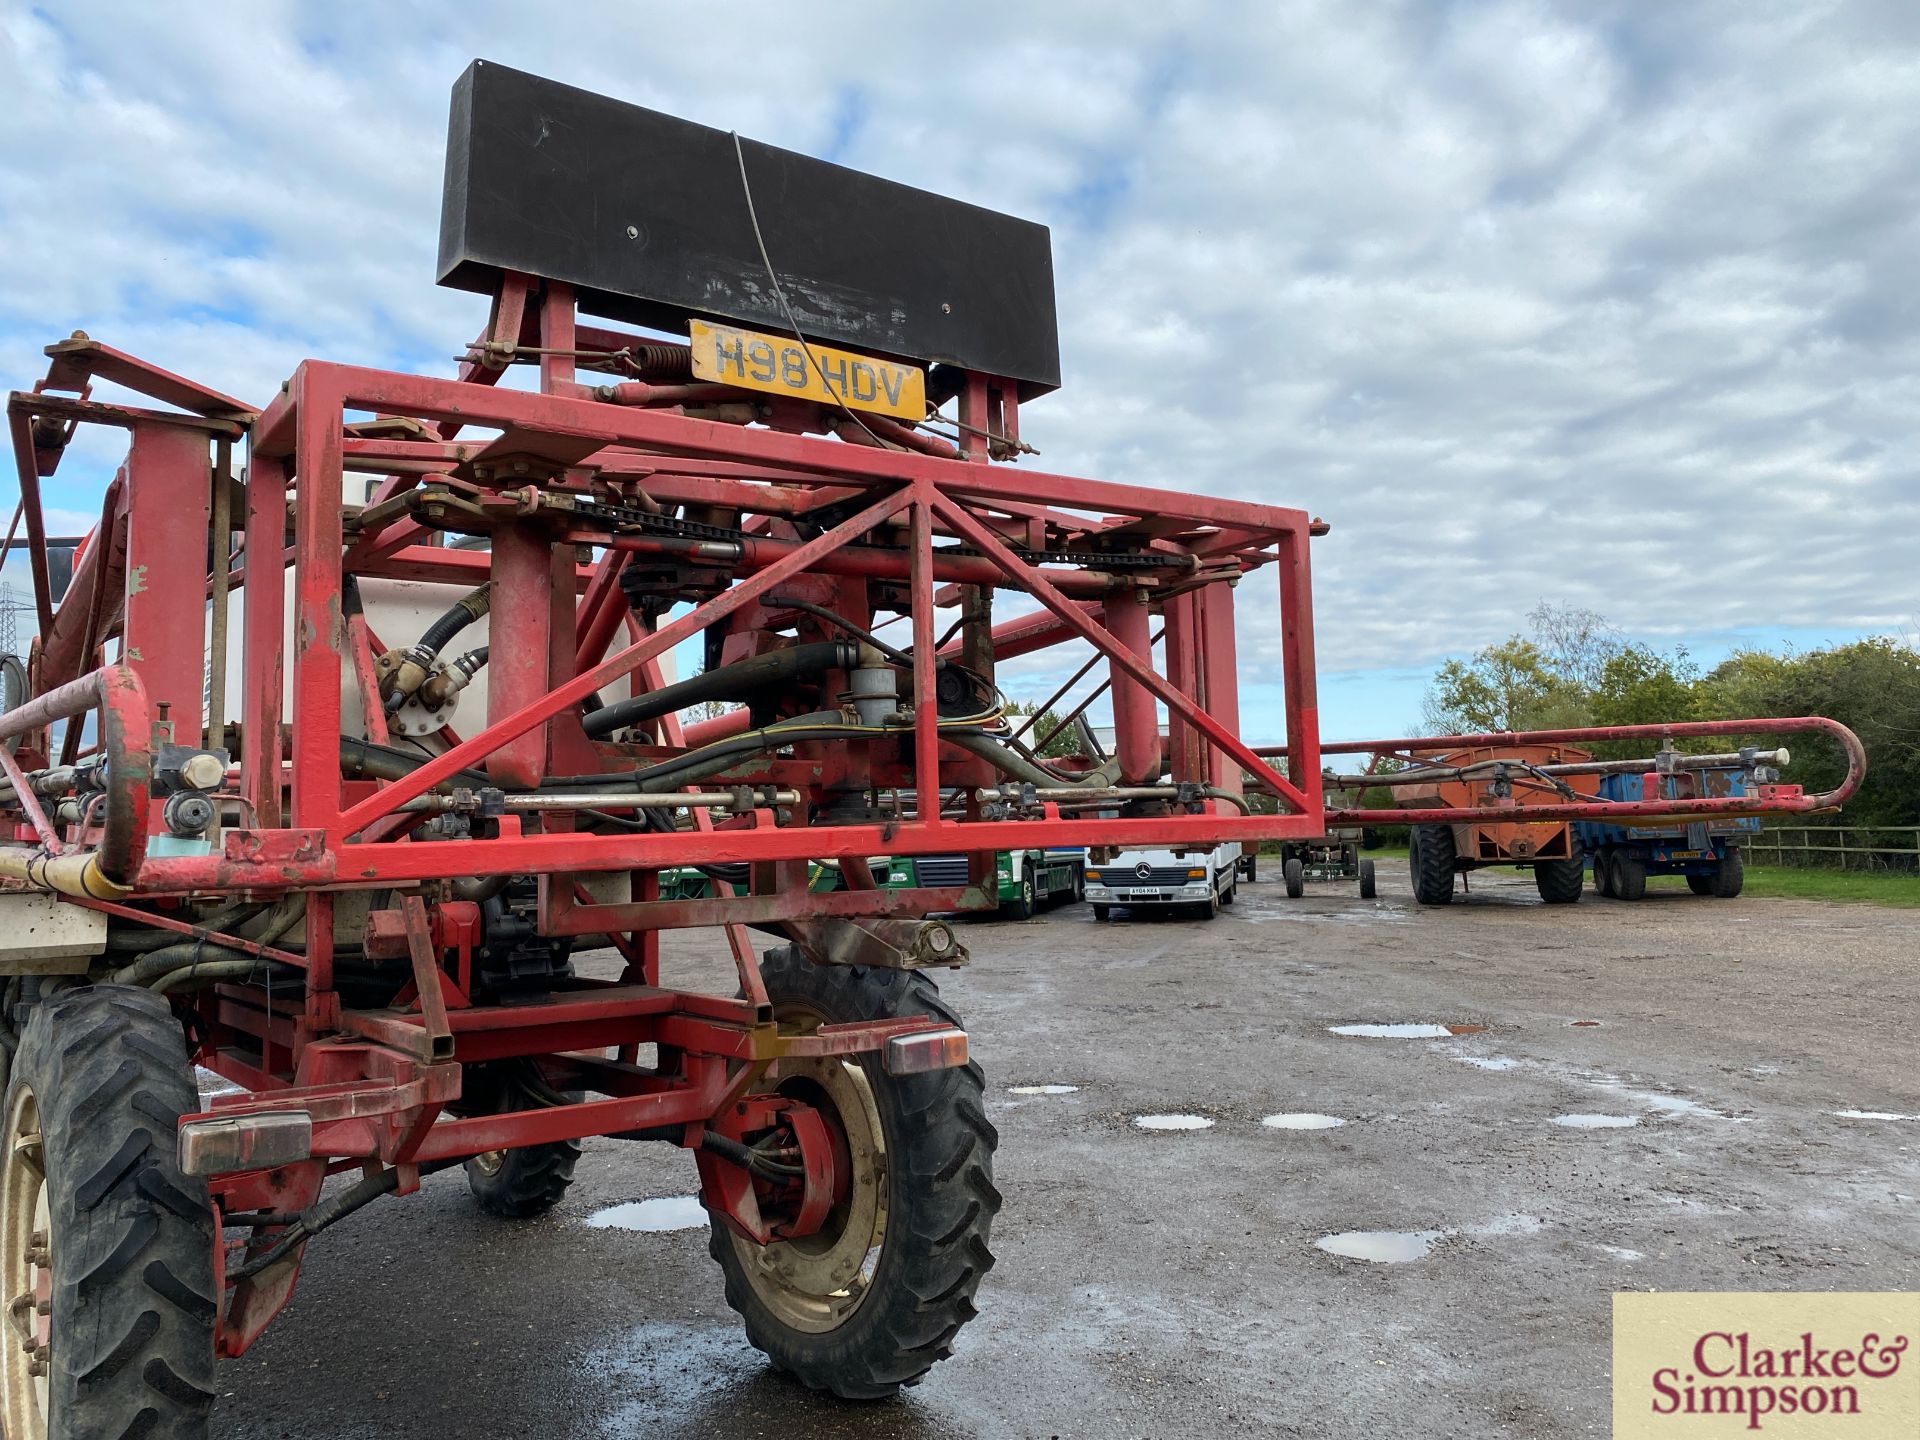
{"type": "Point", "coordinates": [1707, 852]}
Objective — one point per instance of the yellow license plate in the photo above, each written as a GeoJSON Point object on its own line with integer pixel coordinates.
{"type": "Point", "coordinates": [779, 366]}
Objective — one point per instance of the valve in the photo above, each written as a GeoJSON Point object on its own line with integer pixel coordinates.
{"type": "Point", "coordinates": [188, 813]}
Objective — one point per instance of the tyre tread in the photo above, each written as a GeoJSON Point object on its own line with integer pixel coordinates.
{"type": "Point", "coordinates": [133, 1266]}
{"type": "Point", "coordinates": [942, 1157]}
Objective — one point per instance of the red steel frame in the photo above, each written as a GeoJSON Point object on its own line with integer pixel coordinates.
{"type": "Point", "coordinates": [910, 530]}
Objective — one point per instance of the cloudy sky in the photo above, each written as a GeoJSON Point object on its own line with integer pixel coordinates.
{"type": "Point", "coordinates": [1609, 304]}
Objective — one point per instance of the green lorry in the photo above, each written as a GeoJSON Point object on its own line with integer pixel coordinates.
{"type": "Point", "coordinates": [1025, 879]}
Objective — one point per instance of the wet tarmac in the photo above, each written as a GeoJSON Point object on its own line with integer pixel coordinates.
{"type": "Point", "coordinates": [1226, 1280]}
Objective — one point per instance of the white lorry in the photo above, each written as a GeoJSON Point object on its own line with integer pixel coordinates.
{"type": "Point", "coordinates": [1201, 881]}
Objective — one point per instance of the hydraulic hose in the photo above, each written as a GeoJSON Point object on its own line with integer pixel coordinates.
{"type": "Point", "coordinates": [1011, 762]}
{"type": "Point", "coordinates": [729, 682]}
{"type": "Point", "coordinates": [364, 760]}
{"type": "Point", "coordinates": [467, 610]}
{"type": "Point", "coordinates": [185, 955]}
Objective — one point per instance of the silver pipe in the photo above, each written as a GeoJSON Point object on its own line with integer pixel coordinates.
{"type": "Point", "coordinates": [1085, 797]}
{"type": "Point", "coordinates": [1778, 758]}
{"type": "Point", "coordinates": [605, 800]}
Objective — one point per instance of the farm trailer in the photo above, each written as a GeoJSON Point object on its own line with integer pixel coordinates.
{"type": "Point", "coordinates": [1524, 798]}
{"type": "Point", "coordinates": [358, 898]}
{"type": "Point", "coordinates": [1706, 852]}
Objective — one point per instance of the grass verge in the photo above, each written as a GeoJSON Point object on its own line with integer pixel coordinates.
{"type": "Point", "coordinates": [1764, 882]}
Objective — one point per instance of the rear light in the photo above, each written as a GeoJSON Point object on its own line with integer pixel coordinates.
{"type": "Point", "coordinates": [928, 1050]}
{"type": "Point", "coordinates": [231, 1143]}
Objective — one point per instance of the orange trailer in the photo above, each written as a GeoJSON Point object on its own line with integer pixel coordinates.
{"type": "Point", "coordinates": [1486, 777]}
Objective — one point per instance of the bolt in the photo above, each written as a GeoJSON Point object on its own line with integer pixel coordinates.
{"type": "Point", "coordinates": [633, 232]}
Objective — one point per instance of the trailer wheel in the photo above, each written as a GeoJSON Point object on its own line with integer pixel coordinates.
{"type": "Point", "coordinates": [1603, 873]}
{"type": "Point", "coordinates": [100, 1227]}
{"type": "Point", "coordinates": [874, 1300]}
{"type": "Point", "coordinates": [1101, 912]}
{"type": "Point", "coordinates": [1560, 882]}
{"type": "Point", "coordinates": [1430, 863]}
{"type": "Point", "coordinates": [1629, 878]}
{"type": "Point", "coordinates": [1368, 889]}
{"type": "Point", "coordinates": [1295, 875]}
{"type": "Point", "coordinates": [1731, 878]}
{"type": "Point", "coordinates": [1700, 884]}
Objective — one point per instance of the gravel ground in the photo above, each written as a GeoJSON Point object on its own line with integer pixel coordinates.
{"type": "Point", "coordinates": [1172, 1283]}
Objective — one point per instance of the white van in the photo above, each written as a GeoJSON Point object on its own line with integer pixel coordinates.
{"type": "Point", "coordinates": [1201, 880]}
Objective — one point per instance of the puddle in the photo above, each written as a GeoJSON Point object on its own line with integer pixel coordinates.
{"type": "Point", "coordinates": [672, 1212]}
{"type": "Point", "coordinates": [1173, 1122]}
{"type": "Point", "coordinates": [1301, 1121]}
{"type": "Point", "coordinates": [1488, 1062]}
{"type": "Point", "coordinates": [1873, 1115]}
{"type": "Point", "coordinates": [1596, 1122]}
{"type": "Point", "coordinates": [1384, 1247]}
{"type": "Point", "coordinates": [1407, 1031]}
{"type": "Point", "coordinates": [1042, 1089]}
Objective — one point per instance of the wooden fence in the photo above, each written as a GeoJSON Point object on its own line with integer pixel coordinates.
{"type": "Point", "coordinates": [1843, 847]}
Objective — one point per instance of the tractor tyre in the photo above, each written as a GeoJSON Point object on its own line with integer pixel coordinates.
{"type": "Point", "coordinates": [1603, 873]}
{"type": "Point", "coordinates": [1296, 878]}
{"type": "Point", "coordinates": [1731, 878]}
{"type": "Point", "coordinates": [1561, 882]}
{"type": "Point", "coordinates": [1368, 889]}
{"type": "Point", "coordinates": [1430, 864]}
{"type": "Point", "coordinates": [1023, 907]}
{"type": "Point", "coordinates": [518, 1184]}
{"type": "Point", "coordinates": [873, 1300]}
{"type": "Point", "coordinates": [98, 1221]}
{"type": "Point", "coordinates": [1629, 878]}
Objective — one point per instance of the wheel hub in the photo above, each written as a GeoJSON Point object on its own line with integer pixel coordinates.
{"type": "Point", "coordinates": [26, 1273]}
{"type": "Point", "coordinates": [814, 1281]}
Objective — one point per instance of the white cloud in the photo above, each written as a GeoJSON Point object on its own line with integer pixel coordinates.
{"type": "Point", "coordinates": [1608, 304]}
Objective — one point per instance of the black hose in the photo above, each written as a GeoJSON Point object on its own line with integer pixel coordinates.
{"type": "Point", "coordinates": [899, 657]}
{"type": "Point", "coordinates": [322, 1213]}
{"type": "Point", "coordinates": [364, 759]}
{"type": "Point", "coordinates": [469, 609]}
{"type": "Point", "coordinates": [748, 1158]}
{"type": "Point", "coordinates": [729, 682]}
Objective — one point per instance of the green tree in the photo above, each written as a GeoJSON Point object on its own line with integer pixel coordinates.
{"type": "Point", "coordinates": [1067, 742]}
{"type": "Point", "coordinates": [1871, 686]}
{"type": "Point", "coordinates": [1640, 686]}
{"type": "Point", "coordinates": [1509, 686]}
